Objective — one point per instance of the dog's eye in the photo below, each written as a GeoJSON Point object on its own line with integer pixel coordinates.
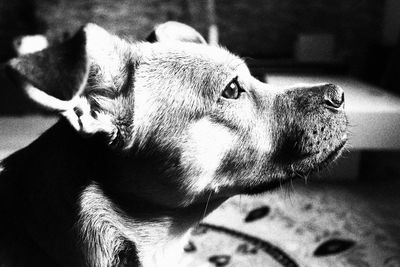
{"type": "Point", "coordinates": [232, 90]}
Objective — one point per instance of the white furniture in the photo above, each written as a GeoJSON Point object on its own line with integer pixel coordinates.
{"type": "Point", "coordinates": [18, 132]}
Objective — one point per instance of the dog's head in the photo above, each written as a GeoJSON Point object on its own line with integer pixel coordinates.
{"type": "Point", "coordinates": [183, 120]}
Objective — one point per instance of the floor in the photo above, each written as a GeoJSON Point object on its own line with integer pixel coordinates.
{"type": "Point", "coordinates": [314, 224]}
{"type": "Point", "coordinates": [382, 197]}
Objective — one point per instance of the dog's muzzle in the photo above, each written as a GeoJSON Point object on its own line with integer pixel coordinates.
{"type": "Point", "coordinates": [312, 126]}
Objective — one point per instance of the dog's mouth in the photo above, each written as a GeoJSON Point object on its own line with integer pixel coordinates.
{"type": "Point", "coordinates": [311, 162]}
{"type": "Point", "coordinates": [329, 157]}
{"type": "Point", "coordinates": [302, 168]}
{"type": "Point", "coordinates": [267, 186]}
{"type": "Point", "coordinates": [334, 154]}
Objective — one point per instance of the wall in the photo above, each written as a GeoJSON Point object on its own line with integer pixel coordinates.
{"type": "Point", "coordinates": [256, 28]}
{"type": "Point", "coordinates": [391, 22]}
{"type": "Point", "coordinates": [132, 19]}
{"type": "Point", "coordinates": [269, 28]}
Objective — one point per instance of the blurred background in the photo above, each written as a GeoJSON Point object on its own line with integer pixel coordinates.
{"type": "Point", "coordinates": [352, 43]}
{"type": "Point", "coordinates": [351, 36]}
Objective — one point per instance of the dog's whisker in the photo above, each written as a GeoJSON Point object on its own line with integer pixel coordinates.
{"type": "Point", "coordinates": [245, 59]}
{"type": "Point", "coordinates": [286, 189]}
{"type": "Point", "coordinates": [291, 184]}
{"type": "Point", "coordinates": [289, 190]}
{"type": "Point", "coordinates": [240, 203]}
{"type": "Point", "coordinates": [205, 208]}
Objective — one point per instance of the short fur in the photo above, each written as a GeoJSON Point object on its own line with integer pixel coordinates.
{"type": "Point", "coordinates": [147, 145]}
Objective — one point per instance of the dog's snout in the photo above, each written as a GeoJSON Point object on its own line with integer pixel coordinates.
{"type": "Point", "coordinates": [333, 96]}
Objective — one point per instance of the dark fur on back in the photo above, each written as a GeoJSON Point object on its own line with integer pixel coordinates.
{"type": "Point", "coordinates": [27, 183]}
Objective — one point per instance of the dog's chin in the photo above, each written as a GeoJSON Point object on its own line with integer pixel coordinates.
{"type": "Point", "coordinates": [266, 186]}
{"type": "Point", "coordinates": [302, 169]}
{"type": "Point", "coordinates": [316, 161]}
{"type": "Point", "coordinates": [329, 157]}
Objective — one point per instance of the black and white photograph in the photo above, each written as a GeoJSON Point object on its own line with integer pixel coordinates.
{"type": "Point", "coordinates": [209, 133]}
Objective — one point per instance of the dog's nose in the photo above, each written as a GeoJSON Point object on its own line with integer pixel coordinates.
{"type": "Point", "coordinates": [333, 96]}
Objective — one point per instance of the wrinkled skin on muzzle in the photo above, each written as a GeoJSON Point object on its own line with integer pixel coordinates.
{"type": "Point", "coordinates": [310, 127]}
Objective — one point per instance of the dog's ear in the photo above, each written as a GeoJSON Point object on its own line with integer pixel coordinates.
{"type": "Point", "coordinates": [59, 71]}
{"type": "Point", "coordinates": [175, 31]}
{"type": "Point", "coordinates": [58, 78]}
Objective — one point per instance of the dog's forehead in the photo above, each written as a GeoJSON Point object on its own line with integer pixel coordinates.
{"type": "Point", "coordinates": [192, 65]}
{"type": "Point", "coordinates": [192, 53]}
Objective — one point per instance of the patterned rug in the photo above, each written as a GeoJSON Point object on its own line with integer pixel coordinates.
{"type": "Point", "coordinates": [304, 227]}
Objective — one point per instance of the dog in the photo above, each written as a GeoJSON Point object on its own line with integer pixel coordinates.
{"type": "Point", "coordinates": [152, 137]}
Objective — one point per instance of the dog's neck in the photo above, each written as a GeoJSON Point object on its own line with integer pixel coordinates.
{"type": "Point", "coordinates": [105, 233]}
{"type": "Point", "coordinates": [109, 232]}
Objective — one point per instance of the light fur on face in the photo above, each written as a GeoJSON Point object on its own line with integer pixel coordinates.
{"type": "Point", "coordinates": [206, 145]}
